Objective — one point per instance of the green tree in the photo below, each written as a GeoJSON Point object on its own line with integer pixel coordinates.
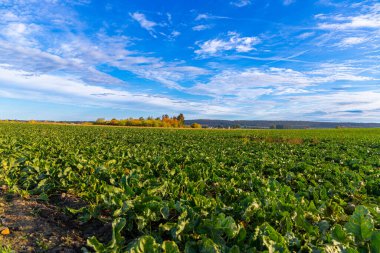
{"type": "Point", "coordinates": [181, 119]}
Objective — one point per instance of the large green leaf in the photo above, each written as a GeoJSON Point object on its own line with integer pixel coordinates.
{"type": "Point", "coordinates": [339, 234]}
{"type": "Point", "coordinates": [375, 242]}
{"type": "Point", "coordinates": [170, 247]}
{"type": "Point", "coordinates": [339, 249]}
{"type": "Point", "coordinates": [117, 242]}
{"type": "Point", "coordinates": [273, 240]}
{"type": "Point", "coordinates": [227, 224]}
{"type": "Point", "coordinates": [96, 245]}
{"type": "Point", "coordinates": [360, 224]}
{"type": "Point", "coordinates": [117, 239]}
{"type": "Point", "coordinates": [234, 249]}
{"type": "Point", "coordinates": [165, 212]}
{"type": "Point", "coordinates": [143, 244]}
{"type": "Point", "coordinates": [191, 247]}
{"type": "Point", "coordinates": [208, 246]}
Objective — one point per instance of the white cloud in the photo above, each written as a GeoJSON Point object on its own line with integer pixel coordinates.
{"type": "Point", "coordinates": [40, 11]}
{"type": "Point", "coordinates": [244, 103]}
{"type": "Point", "coordinates": [305, 35]}
{"type": "Point", "coordinates": [143, 21]}
{"type": "Point", "coordinates": [73, 91]}
{"type": "Point", "coordinates": [321, 16]}
{"type": "Point", "coordinates": [35, 48]}
{"type": "Point", "coordinates": [170, 18]}
{"type": "Point", "coordinates": [234, 43]}
{"type": "Point", "coordinates": [8, 16]}
{"type": "Point", "coordinates": [351, 41]}
{"type": "Point", "coordinates": [68, 88]}
{"type": "Point", "coordinates": [275, 81]}
{"type": "Point", "coordinates": [293, 94]}
{"type": "Point", "coordinates": [329, 3]}
{"type": "Point", "coordinates": [15, 30]}
{"type": "Point", "coordinates": [37, 57]}
{"type": "Point", "coordinates": [201, 27]}
{"type": "Point", "coordinates": [363, 21]}
{"type": "Point", "coordinates": [241, 3]}
{"type": "Point", "coordinates": [152, 27]}
{"type": "Point", "coordinates": [361, 106]}
{"type": "Point", "coordinates": [369, 18]}
{"type": "Point", "coordinates": [79, 55]}
{"type": "Point", "coordinates": [358, 26]}
{"type": "Point", "coordinates": [205, 16]}
{"type": "Point", "coordinates": [19, 32]}
{"type": "Point", "coordinates": [202, 16]}
{"type": "Point", "coordinates": [252, 80]}
{"type": "Point", "coordinates": [175, 34]}
{"type": "Point", "coordinates": [289, 2]}
{"type": "Point", "coordinates": [268, 59]}
{"type": "Point", "coordinates": [338, 72]}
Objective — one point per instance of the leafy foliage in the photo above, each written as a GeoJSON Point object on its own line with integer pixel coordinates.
{"type": "Point", "coordinates": [167, 190]}
{"type": "Point", "coordinates": [117, 242]}
{"type": "Point", "coordinates": [360, 224]}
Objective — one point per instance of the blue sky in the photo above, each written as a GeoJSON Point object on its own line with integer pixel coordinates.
{"type": "Point", "coordinates": [236, 59]}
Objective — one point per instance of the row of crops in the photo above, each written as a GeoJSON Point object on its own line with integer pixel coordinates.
{"type": "Point", "coordinates": [167, 190]}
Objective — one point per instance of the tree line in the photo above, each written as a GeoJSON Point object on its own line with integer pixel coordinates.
{"type": "Point", "coordinates": [163, 121]}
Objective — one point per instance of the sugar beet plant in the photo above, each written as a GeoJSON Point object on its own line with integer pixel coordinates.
{"type": "Point", "coordinates": [206, 191]}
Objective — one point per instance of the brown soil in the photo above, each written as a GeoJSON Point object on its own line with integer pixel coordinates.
{"type": "Point", "coordinates": [44, 227]}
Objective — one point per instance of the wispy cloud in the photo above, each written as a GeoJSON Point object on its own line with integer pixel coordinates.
{"type": "Point", "coordinates": [143, 21]}
{"type": "Point", "coordinates": [289, 2]}
{"type": "Point", "coordinates": [369, 18]}
{"type": "Point", "coordinates": [330, 3]}
{"type": "Point", "coordinates": [72, 91]}
{"type": "Point", "coordinates": [276, 81]}
{"type": "Point", "coordinates": [266, 90]}
{"type": "Point", "coordinates": [358, 26]}
{"type": "Point", "coordinates": [332, 72]}
{"type": "Point", "coordinates": [201, 27]}
{"type": "Point", "coordinates": [20, 32]}
{"type": "Point", "coordinates": [8, 16]}
{"type": "Point", "coordinates": [362, 106]}
{"type": "Point", "coordinates": [323, 68]}
{"type": "Point", "coordinates": [34, 48]}
{"type": "Point", "coordinates": [67, 89]}
{"type": "Point", "coordinates": [242, 84]}
{"type": "Point", "coordinates": [175, 34]}
{"type": "Point", "coordinates": [234, 43]}
{"type": "Point", "coordinates": [153, 28]}
{"type": "Point", "coordinates": [351, 41]}
{"type": "Point", "coordinates": [240, 3]}
{"type": "Point", "coordinates": [305, 35]}
{"type": "Point", "coordinates": [206, 16]}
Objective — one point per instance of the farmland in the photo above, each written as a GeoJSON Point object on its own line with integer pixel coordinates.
{"type": "Point", "coordinates": [177, 190]}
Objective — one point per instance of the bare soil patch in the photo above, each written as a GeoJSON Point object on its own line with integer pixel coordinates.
{"type": "Point", "coordinates": [37, 226]}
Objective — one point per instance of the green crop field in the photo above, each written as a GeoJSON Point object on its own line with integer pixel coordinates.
{"type": "Point", "coordinates": [168, 190]}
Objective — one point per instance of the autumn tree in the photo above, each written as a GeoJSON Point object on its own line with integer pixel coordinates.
{"type": "Point", "coordinates": [196, 125]}
{"type": "Point", "coordinates": [114, 122]}
{"type": "Point", "coordinates": [164, 121]}
{"type": "Point", "coordinates": [100, 121]}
